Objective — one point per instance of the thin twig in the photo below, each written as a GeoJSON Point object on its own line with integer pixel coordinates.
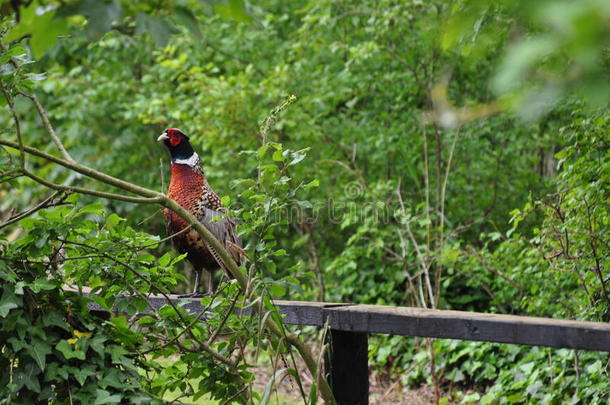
{"type": "Point", "coordinates": [420, 256]}
{"type": "Point", "coordinates": [11, 104]}
{"type": "Point", "coordinates": [47, 125]}
{"type": "Point", "coordinates": [228, 313]}
{"type": "Point", "coordinates": [44, 204]}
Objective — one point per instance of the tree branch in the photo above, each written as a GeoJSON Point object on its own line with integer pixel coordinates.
{"type": "Point", "coordinates": [44, 204]}
{"type": "Point", "coordinates": [87, 171]}
{"type": "Point", "coordinates": [47, 125]}
{"type": "Point", "coordinates": [82, 190]}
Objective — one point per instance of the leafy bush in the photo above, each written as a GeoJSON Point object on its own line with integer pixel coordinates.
{"type": "Point", "coordinates": [53, 348]}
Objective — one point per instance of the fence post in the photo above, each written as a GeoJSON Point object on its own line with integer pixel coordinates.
{"type": "Point", "coordinates": [347, 367]}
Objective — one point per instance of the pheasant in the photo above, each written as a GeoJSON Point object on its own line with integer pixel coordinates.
{"type": "Point", "coordinates": [189, 187]}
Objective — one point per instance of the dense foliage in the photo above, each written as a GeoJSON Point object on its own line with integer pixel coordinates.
{"type": "Point", "coordinates": [448, 155]}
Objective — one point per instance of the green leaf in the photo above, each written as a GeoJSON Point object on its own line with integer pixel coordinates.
{"type": "Point", "coordinates": [43, 28]}
{"type": "Point", "coordinates": [45, 34]}
{"type": "Point", "coordinates": [38, 350]}
{"type": "Point", "coordinates": [233, 10]}
{"type": "Point", "coordinates": [42, 284]}
{"type": "Point", "coordinates": [262, 150]}
{"type": "Point", "coordinates": [100, 15]}
{"type": "Point", "coordinates": [68, 350]}
{"type": "Point", "coordinates": [27, 375]}
{"type": "Point", "coordinates": [103, 397]}
{"type": "Point", "coordinates": [9, 301]}
{"type": "Point", "coordinates": [276, 379]}
{"type": "Point", "coordinates": [113, 220]}
{"type": "Point", "coordinates": [17, 344]}
{"type": "Point", "coordinates": [95, 208]}
{"type": "Point", "coordinates": [188, 19]}
{"type": "Point", "coordinates": [278, 156]}
{"type": "Point", "coordinates": [112, 378]}
{"type": "Point", "coordinates": [97, 344]}
{"type": "Point", "coordinates": [165, 259]}
{"type": "Point", "coordinates": [159, 28]}
{"type": "Point", "coordinates": [311, 184]}
{"type": "Point", "coordinates": [277, 289]}
{"type": "Point", "coordinates": [117, 353]}
{"type": "Point", "coordinates": [81, 374]}
{"type": "Point", "coordinates": [13, 51]}
{"type": "Point", "coordinates": [280, 252]}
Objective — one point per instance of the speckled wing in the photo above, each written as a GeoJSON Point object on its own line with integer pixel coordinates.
{"type": "Point", "coordinates": [224, 229]}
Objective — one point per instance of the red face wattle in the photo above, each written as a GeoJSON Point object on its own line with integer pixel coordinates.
{"type": "Point", "coordinates": [177, 144]}
{"type": "Point", "coordinates": [175, 136]}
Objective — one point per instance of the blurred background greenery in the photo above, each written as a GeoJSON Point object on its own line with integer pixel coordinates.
{"type": "Point", "coordinates": [457, 153]}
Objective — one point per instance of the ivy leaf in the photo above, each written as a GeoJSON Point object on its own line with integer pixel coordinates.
{"type": "Point", "coordinates": [27, 376]}
{"type": "Point", "coordinates": [8, 301]}
{"type": "Point", "coordinates": [117, 353]}
{"type": "Point", "coordinates": [82, 374]}
{"type": "Point", "coordinates": [38, 350]}
{"type": "Point", "coordinates": [55, 318]}
{"type": "Point", "coordinates": [17, 344]}
{"type": "Point", "coordinates": [68, 351]}
{"type": "Point", "coordinates": [104, 397]}
{"type": "Point", "coordinates": [112, 378]}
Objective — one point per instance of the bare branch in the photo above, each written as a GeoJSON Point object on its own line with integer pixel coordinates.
{"type": "Point", "coordinates": [11, 104]}
{"type": "Point", "coordinates": [87, 171]}
{"type": "Point", "coordinates": [82, 190]}
{"type": "Point", "coordinates": [47, 202]}
{"type": "Point", "coordinates": [47, 125]}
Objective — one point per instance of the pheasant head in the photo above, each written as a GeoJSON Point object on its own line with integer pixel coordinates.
{"type": "Point", "coordinates": [179, 147]}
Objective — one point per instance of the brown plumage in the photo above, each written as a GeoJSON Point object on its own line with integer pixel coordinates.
{"type": "Point", "coordinates": [189, 188]}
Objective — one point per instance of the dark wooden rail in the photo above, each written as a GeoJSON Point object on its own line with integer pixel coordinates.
{"type": "Point", "coordinates": [350, 324]}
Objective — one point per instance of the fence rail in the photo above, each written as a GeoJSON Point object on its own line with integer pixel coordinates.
{"type": "Point", "coordinates": [347, 363]}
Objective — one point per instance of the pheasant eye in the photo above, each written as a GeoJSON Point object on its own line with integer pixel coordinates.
{"type": "Point", "coordinates": [174, 140]}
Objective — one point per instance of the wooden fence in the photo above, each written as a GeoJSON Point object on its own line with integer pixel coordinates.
{"type": "Point", "coordinates": [350, 325]}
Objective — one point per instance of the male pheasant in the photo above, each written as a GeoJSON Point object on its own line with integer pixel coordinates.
{"type": "Point", "coordinates": [188, 186]}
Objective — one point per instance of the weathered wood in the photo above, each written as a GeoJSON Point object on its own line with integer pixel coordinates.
{"type": "Point", "coordinates": [346, 367]}
{"type": "Point", "coordinates": [347, 362]}
{"type": "Point", "coordinates": [472, 326]}
{"type": "Point", "coordinates": [306, 312]}
{"type": "Point", "coordinates": [436, 323]}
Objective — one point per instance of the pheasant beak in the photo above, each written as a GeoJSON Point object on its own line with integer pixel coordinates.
{"type": "Point", "coordinates": [162, 137]}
